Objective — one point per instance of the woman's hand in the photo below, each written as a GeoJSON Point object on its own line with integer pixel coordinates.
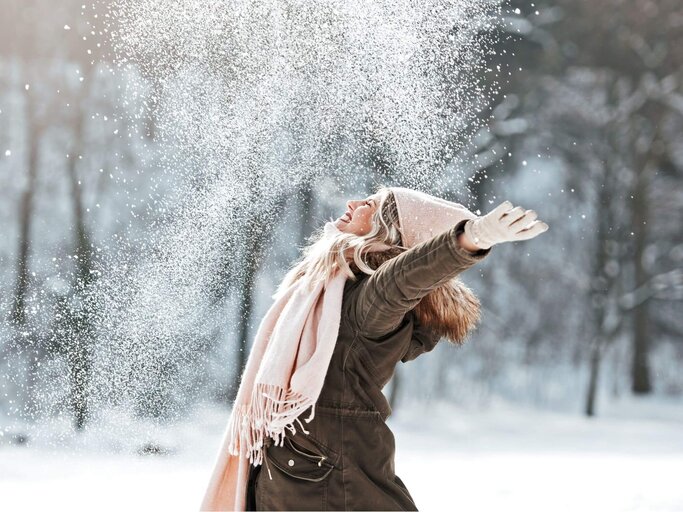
{"type": "Point", "coordinates": [504, 223]}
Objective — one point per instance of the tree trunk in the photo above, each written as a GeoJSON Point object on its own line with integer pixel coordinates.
{"type": "Point", "coordinates": [640, 367]}
{"type": "Point", "coordinates": [79, 350]}
{"type": "Point", "coordinates": [594, 372]}
{"type": "Point", "coordinates": [27, 343]}
{"type": "Point", "coordinates": [18, 311]}
{"type": "Point", "coordinates": [601, 284]}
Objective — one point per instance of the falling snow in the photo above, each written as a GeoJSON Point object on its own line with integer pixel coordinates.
{"type": "Point", "coordinates": [254, 100]}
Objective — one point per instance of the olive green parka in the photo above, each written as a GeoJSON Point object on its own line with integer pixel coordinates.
{"type": "Point", "coordinates": [346, 462]}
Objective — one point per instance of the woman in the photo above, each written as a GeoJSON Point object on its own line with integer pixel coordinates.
{"type": "Point", "coordinates": [377, 286]}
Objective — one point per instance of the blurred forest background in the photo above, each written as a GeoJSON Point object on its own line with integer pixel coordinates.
{"type": "Point", "coordinates": [586, 127]}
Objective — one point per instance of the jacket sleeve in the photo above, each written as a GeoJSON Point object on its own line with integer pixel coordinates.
{"type": "Point", "coordinates": [397, 285]}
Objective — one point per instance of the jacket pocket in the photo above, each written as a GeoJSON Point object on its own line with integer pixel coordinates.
{"type": "Point", "coordinates": [302, 463]}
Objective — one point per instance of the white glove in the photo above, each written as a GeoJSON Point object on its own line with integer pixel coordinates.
{"type": "Point", "coordinates": [504, 224]}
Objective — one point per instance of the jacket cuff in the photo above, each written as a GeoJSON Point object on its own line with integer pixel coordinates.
{"type": "Point", "coordinates": [461, 251]}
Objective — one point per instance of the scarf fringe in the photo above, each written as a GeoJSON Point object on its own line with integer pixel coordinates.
{"type": "Point", "coordinates": [270, 411]}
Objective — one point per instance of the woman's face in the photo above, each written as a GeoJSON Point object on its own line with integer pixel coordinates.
{"type": "Point", "coordinates": [358, 216]}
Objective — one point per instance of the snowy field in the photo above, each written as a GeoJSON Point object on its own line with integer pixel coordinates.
{"type": "Point", "coordinates": [502, 458]}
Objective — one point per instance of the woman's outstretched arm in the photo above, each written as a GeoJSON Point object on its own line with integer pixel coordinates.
{"type": "Point", "coordinates": [398, 285]}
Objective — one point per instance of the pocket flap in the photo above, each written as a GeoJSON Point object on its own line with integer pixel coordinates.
{"type": "Point", "coordinates": [300, 462]}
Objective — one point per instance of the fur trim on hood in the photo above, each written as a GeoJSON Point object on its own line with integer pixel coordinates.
{"type": "Point", "coordinates": [451, 311]}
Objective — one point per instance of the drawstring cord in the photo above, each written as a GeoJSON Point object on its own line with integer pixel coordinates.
{"type": "Point", "coordinates": [265, 457]}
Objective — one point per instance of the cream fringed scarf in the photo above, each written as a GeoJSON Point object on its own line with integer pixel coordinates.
{"type": "Point", "coordinates": [283, 377]}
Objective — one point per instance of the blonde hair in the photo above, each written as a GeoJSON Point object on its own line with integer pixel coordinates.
{"type": "Point", "coordinates": [328, 252]}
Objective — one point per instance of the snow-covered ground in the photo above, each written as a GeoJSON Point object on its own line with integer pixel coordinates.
{"type": "Point", "coordinates": [630, 458]}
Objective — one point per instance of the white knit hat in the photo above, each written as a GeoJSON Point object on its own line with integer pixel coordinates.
{"type": "Point", "coordinates": [423, 216]}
